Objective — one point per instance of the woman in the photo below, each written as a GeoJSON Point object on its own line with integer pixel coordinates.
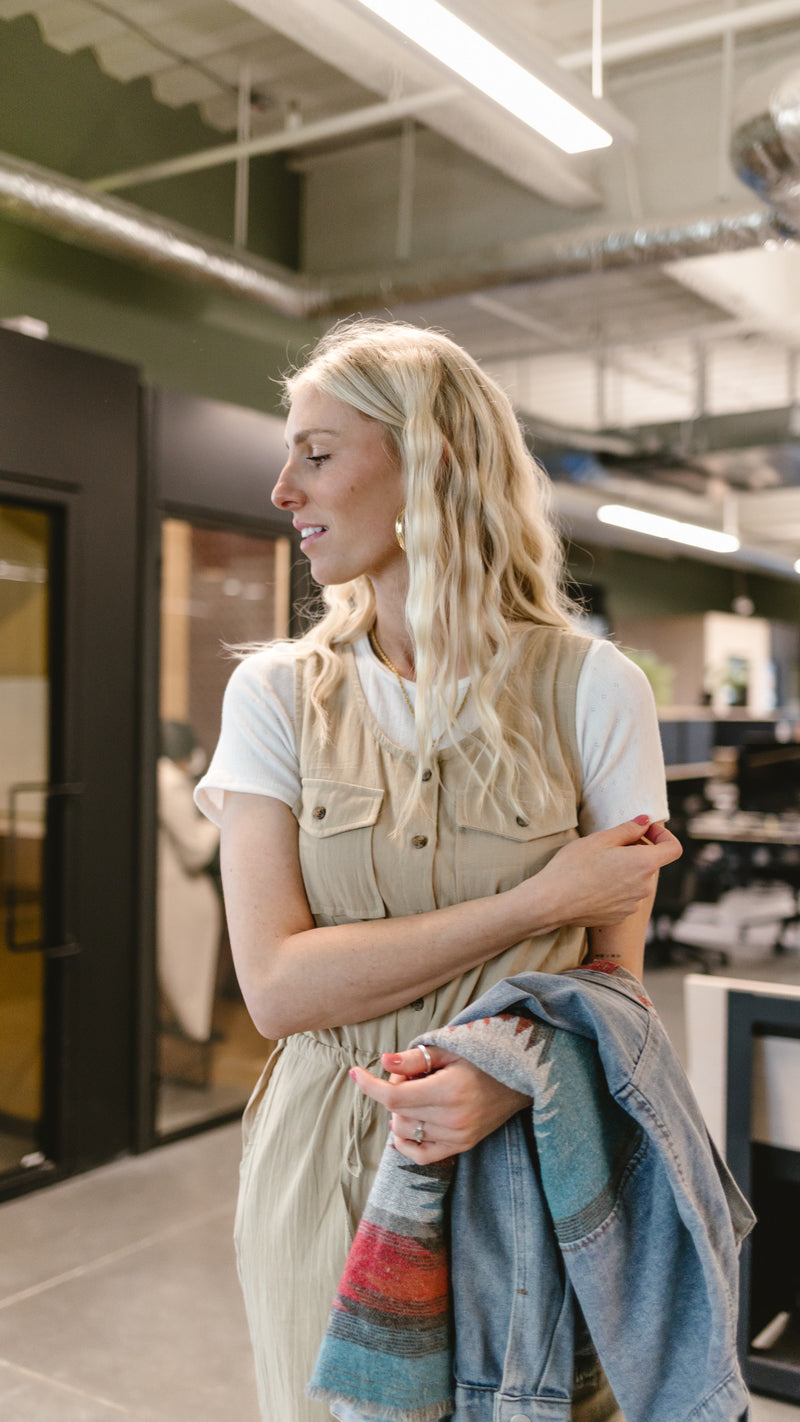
{"type": "Point", "coordinates": [432, 790]}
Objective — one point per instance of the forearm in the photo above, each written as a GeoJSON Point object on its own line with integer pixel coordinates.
{"type": "Point", "coordinates": [623, 943]}
{"type": "Point", "coordinates": [295, 976]}
{"type": "Point", "coordinates": [322, 977]}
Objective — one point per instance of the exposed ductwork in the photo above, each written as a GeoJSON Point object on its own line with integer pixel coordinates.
{"type": "Point", "coordinates": [70, 211]}
{"type": "Point", "coordinates": [575, 252]}
{"type": "Point", "coordinates": [765, 148]}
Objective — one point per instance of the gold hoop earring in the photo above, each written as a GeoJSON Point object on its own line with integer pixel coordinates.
{"type": "Point", "coordinates": [400, 528]}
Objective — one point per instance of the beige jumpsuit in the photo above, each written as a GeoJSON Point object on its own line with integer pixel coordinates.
{"type": "Point", "coordinates": [312, 1141]}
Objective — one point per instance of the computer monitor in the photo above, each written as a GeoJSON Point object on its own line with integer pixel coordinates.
{"type": "Point", "coordinates": [769, 776]}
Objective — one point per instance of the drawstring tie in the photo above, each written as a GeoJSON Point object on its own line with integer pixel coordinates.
{"type": "Point", "coordinates": [362, 1116]}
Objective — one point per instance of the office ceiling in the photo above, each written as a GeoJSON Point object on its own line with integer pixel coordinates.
{"type": "Point", "coordinates": [635, 302]}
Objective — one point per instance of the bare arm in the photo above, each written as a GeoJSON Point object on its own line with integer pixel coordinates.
{"type": "Point", "coordinates": [295, 976]}
{"type": "Point", "coordinates": [459, 1104]}
{"type": "Point", "coordinates": [623, 943]}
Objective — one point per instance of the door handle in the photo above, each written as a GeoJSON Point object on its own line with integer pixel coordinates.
{"type": "Point", "coordinates": [65, 943]}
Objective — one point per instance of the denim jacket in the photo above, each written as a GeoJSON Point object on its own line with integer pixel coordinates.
{"type": "Point", "coordinates": [616, 1201]}
{"type": "Point", "coordinates": [606, 1208]}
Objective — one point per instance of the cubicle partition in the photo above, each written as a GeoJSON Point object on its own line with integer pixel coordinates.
{"type": "Point", "coordinates": [743, 1040]}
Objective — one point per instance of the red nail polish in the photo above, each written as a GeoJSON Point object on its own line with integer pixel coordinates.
{"type": "Point", "coordinates": [641, 819]}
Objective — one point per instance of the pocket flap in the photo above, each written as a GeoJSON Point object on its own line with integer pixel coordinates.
{"type": "Point", "coordinates": [490, 818]}
{"type": "Point", "coordinates": [332, 806]}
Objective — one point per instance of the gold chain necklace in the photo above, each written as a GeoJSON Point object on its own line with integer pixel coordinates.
{"type": "Point", "coordinates": [379, 652]}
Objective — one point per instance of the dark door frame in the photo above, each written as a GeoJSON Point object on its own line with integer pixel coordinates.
{"type": "Point", "coordinates": [69, 441]}
{"type": "Point", "coordinates": [80, 435]}
{"type": "Point", "coordinates": [214, 465]}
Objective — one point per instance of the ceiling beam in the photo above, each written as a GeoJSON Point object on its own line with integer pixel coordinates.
{"type": "Point", "coordinates": [370, 116]}
{"type": "Point", "coordinates": [348, 38]}
{"type": "Point", "coordinates": [684, 36]}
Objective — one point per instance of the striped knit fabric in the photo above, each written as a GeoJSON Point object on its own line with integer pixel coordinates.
{"type": "Point", "coordinates": [387, 1352]}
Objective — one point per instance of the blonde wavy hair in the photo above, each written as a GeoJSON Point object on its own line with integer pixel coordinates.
{"type": "Point", "coordinates": [483, 555]}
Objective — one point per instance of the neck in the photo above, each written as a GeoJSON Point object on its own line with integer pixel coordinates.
{"type": "Point", "coordinates": [397, 648]}
{"type": "Point", "coordinates": [391, 630]}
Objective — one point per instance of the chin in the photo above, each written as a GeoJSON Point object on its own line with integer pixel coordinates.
{"type": "Point", "coordinates": [328, 578]}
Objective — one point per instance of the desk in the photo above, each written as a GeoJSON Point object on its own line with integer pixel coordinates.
{"type": "Point", "coordinates": [691, 770]}
{"type": "Point", "coordinates": [750, 850]}
{"type": "Point", "coordinates": [742, 827]}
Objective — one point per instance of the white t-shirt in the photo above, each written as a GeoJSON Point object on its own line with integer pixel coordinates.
{"type": "Point", "coordinates": [617, 729]}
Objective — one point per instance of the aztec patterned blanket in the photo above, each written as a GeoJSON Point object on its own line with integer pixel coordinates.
{"type": "Point", "coordinates": [624, 1190]}
{"type": "Point", "coordinates": [387, 1352]}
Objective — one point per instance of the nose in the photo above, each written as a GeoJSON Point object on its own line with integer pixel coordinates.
{"type": "Point", "coordinates": [285, 494]}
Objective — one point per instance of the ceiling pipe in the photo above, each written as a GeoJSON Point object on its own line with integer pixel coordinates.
{"type": "Point", "coordinates": [576, 252]}
{"type": "Point", "coordinates": [68, 210]}
{"type": "Point", "coordinates": [691, 32]}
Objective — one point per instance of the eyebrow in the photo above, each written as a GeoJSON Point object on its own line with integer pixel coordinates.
{"type": "Point", "coordinates": [300, 435]}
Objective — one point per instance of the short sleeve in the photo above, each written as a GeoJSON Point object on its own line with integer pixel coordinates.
{"type": "Point", "coordinates": [256, 752]}
{"type": "Point", "coordinates": [619, 742]}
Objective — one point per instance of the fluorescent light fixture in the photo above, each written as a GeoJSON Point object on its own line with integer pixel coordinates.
{"type": "Point", "coordinates": [797, 566]}
{"type": "Point", "coordinates": [27, 326]}
{"type": "Point", "coordinates": [690, 533]}
{"type": "Point", "coordinates": [482, 64]}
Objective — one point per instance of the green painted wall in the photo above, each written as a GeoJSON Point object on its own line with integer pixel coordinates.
{"type": "Point", "coordinates": [638, 586]}
{"type": "Point", "coordinates": [63, 113]}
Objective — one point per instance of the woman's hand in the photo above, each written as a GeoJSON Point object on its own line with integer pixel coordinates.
{"type": "Point", "coordinates": [602, 878]}
{"type": "Point", "coordinates": [452, 1107]}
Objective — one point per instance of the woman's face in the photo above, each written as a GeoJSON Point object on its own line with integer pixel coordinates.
{"type": "Point", "coordinates": [343, 487]}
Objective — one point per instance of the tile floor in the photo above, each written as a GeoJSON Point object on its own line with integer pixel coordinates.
{"type": "Point", "coordinates": [118, 1291]}
{"type": "Point", "coordinates": [119, 1296]}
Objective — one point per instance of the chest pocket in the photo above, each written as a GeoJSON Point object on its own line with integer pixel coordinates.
{"type": "Point", "coordinates": [337, 822]}
{"type": "Point", "coordinates": [494, 850]}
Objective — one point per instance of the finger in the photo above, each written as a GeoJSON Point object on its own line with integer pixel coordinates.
{"type": "Point", "coordinates": [663, 839]}
{"type": "Point", "coordinates": [404, 1126]}
{"type": "Point", "coordinates": [443, 1090]}
{"type": "Point", "coordinates": [406, 1094]}
{"type": "Point", "coordinates": [408, 1129]}
{"type": "Point", "coordinates": [629, 832]}
{"type": "Point", "coordinates": [429, 1153]}
{"type": "Point", "coordinates": [414, 1061]}
{"type": "Point", "coordinates": [373, 1086]}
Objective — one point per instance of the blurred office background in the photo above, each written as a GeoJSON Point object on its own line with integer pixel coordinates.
{"type": "Point", "coordinates": [190, 193]}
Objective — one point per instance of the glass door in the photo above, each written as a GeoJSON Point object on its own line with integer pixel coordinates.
{"type": "Point", "coordinates": [220, 589]}
{"type": "Point", "coordinates": [26, 537]}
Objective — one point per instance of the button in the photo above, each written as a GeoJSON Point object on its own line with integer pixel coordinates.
{"type": "Point", "coordinates": [417, 1004]}
{"type": "Point", "coordinates": [523, 824]}
{"type": "Point", "coordinates": [419, 841]}
{"type": "Point", "coordinates": [520, 1417]}
{"type": "Point", "coordinates": [319, 812]}
{"type": "Point", "coordinates": [426, 774]}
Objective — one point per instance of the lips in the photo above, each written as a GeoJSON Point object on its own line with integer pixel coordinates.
{"type": "Point", "coordinates": [310, 532]}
